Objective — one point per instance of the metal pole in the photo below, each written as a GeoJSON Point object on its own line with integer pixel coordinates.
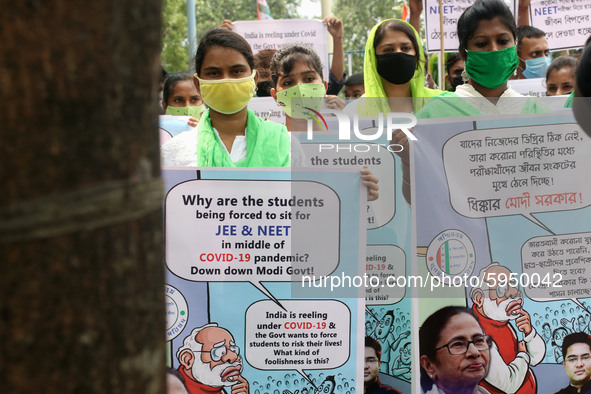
{"type": "Point", "coordinates": [350, 61]}
{"type": "Point", "coordinates": [326, 11]}
{"type": "Point", "coordinates": [442, 49]}
{"type": "Point", "coordinates": [326, 8]}
{"type": "Point", "coordinates": [192, 29]}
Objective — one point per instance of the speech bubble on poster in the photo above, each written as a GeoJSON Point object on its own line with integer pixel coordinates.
{"type": "Point", "coordinates": [386, 263]}
{"type": "Point", "coordinates": [518, 171]}
{"type": "Point", "coordinates": [237, 231]}
{"type": "Point", "coordinates": [557, 267]}
{"type": "Point", "coordinates": [354, 155]}
{"type": "Point", "coordinates": [308, 334]}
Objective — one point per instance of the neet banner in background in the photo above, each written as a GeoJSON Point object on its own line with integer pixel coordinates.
{"type": "Point", "coordinates": [452, 10]}
{"type": "Point", "coordinates": [565, 22]}
{"type": "Point", "coordinates": [278, 33]}
{"type": "Point", "coordinates": [238, 242]}
{"type": "Point", "coordinates": [508, 198]}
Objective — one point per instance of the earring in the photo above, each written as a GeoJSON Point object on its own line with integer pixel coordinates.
{"type": "Point", "coordinates": [465, 76]}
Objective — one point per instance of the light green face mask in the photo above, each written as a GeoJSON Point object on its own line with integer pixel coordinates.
{"type": "Point", "coordinates": [298, 100]}
{"type": "Point", "coordinates": [195, 112]}
{"type": "Point", "coordinates": [492, 69]}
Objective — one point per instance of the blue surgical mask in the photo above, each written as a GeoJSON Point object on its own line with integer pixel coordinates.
{"type": "Point", "coordinates": [536, 68]}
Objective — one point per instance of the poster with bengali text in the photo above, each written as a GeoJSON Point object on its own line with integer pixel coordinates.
{"type": "Point", "coordinates": [565, 22]}
{"type": "Point", "coordinates": [503, 226]}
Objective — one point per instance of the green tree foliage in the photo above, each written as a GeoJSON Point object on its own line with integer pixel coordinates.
{"type": "Point", "coordinates": [358, 19]}
{"type": "Point", "coordinates": [209, 14]}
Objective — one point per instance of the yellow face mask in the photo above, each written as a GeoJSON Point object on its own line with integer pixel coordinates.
{"type": "Point", "coordinates": [227, 96]}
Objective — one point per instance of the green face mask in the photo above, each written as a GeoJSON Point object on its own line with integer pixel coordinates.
{"type": "Point", "coordinates": [492, 69]}
{"type": "Point", "coordinates": [195, 112]}
{"type": "Point", "coordinates": [295, 100]}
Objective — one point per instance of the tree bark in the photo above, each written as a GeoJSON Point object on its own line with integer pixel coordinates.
{"type": "Point", "coordinates": [81, 282]}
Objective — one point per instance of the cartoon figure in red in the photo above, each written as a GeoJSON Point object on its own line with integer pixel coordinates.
{"type": "Point", "coordinates": [210, 360]}
{"type": "Point", "coordinates": [496, 302]}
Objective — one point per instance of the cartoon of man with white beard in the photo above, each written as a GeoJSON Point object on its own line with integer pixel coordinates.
{"type": "Point", "coordinates": [210, 360]}
{"type": "Point", "coordinates": [496, 302]}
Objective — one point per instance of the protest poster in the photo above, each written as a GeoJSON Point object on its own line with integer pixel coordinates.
{"type": "Point", "coordinates": [530, 86]}
{"type": "Point", "coordinates": [278, 33]}
{"type": "Point", "coordinates": [452, 10]}
{"type": "Point", "coordinates": [266, 108]}
{"type": "Point", "coordinates": [388, 220]}
{"type": "Point", "coordinates": [170, 126]}
{"type": "Point", "coordinates": [507, 198]}
{"type": "Point", "coordinates": [565, 22]}
{"type": "Point", "coordinates": [238, 245]}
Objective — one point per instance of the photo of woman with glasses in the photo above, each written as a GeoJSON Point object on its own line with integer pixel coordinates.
{"type": "Point", "coordinates": [455, 352]}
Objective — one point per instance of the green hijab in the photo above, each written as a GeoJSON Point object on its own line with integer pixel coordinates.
{"type": "Point", "coordinates": [373, 82]}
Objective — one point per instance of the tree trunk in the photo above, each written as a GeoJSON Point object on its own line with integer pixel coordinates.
{"type": "Point", "coordinates": [81, 281]}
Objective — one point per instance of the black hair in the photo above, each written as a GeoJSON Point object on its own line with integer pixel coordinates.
{"type": "Point", "coordinates": [483, 10]}
{"type": "Point", "coordinates": [403, 27]}
{"type": "Point", "coordinates": [562, 62]}
{"type": "Point", "coordinates": [554, 333]}
{"type": "Point", "coordinates": [354, 79]}
{"type": "Point", "coordinates": [163, 74]}
{"type": "Point", "coordinates": [375, 345]}
{"type": "Point", "coordinates": [451, 60]}
{"type": "Point", "coordinates": [225, 39]}
{"type": "Point", "coordinates": [583, 82]}
{"type": "Point", "coordinates": [263, 58]}
{"type": "Point", "coordinates": [571, 339]}
{"type": "Point", "coordinates": [284, 59]}
{"type": "Point", "coordinates": [331, 379]}
{"type": "Point", "coordinates": [528, 32]}
{"type": "Point", "coordinates": [546, 324]}
{"type": "Point", "coordinates": [170, 83]}
{"type": "Point", "coordinates": [430, 333]}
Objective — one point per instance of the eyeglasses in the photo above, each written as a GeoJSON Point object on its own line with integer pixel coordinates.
{"type": "Point", "coordinates": [574, 359]}
{"type": "Point", "coordinates": [460, 346]}
{"type": "Point", "coordinates": [371, 360]}
{"type": "Point", "coordinates": [217, 353]}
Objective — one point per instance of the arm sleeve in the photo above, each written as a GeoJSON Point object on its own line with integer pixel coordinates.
{"type": "Point", "coordinates": [181, 151]}
{"type": "Point", "coordinates": [507, 377]}
{"type": "Point", "coordinates": [536, 348]}
{"type": "Point", "coordinates": [334, 85]}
